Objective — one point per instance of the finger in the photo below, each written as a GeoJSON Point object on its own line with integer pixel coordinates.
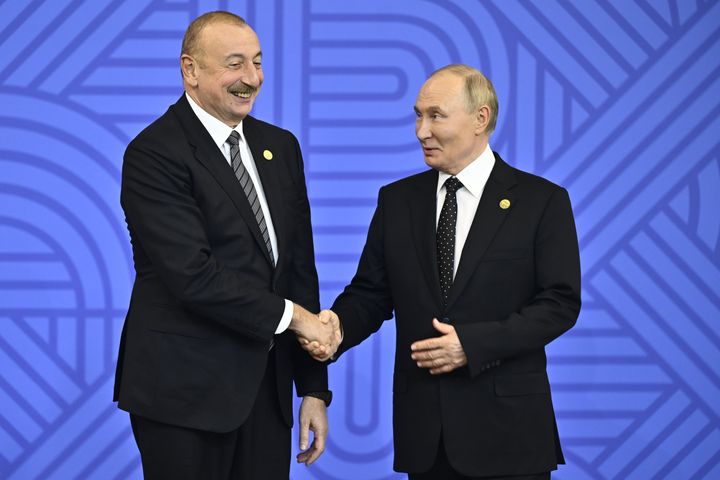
{"type": "Point", "coordinates": [424, 345]}
{"type": "Point", "coordinates": [318, 447]}
{"type": "Point", "coordinates": [304, 435]}
{"type": "Point", "coordinates": [444, 369]}
{"type": "Point", "coordinates": [309, 348]}
{"type": "Point", "coordinates": [311, 345]}
{"type": "Point", "coordinates": [313, 455]}
{"type": "Point", "coordinates": [302, 457]}
{"type": "Point", "coordinates": [319, 351]}
{"type": "Point", "coordinates": [437, 363]}
{"type": "Point", "coordinates": [427, 354]}
{"type": "Point", "coordinates": [441, 327]}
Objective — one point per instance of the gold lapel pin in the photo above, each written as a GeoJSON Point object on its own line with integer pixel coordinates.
{"type": "Point", "coordinates": [504, 203]}
{"type": "Point", "coordinates": [267, 154]}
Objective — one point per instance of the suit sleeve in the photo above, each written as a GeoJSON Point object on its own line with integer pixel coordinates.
{"type": "Point", "coordinates": [310, 375]}
{"type": "Point", "coordinates": [367, 301]}
{"type": "Point", "coordinates": [553, 309]}
{"type": "Point", "coordinates": [166, 222]}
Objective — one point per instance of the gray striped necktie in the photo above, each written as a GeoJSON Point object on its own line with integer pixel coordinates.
{"type": "Point", "coordinates": [247, 185]}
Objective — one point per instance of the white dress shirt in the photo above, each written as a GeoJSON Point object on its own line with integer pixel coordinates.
{"type": "Point", "coordinates": [220, 133]}
{"type": "Point", "coordinates": [473, 177]}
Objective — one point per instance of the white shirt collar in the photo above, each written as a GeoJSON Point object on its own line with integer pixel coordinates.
{"type": "Point", "coordinates": [475, 175]}
{"type": "Point", "coordinates": [218, 130]}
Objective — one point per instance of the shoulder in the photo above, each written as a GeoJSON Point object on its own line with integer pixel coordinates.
{"type": "Point", "coordinates": [411, 183]}
{"type": "Point", "coordinates": [535, 182]}
{"type": "Point", "coordinates": [527, 182]}
{"type": "Point", "coordinates": [272, 133]}
{"type": "Point", "coordinates": [162, 133]}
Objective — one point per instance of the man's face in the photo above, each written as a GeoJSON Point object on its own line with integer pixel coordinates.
{"type": "Point", "coordinates": [451, 137]}
{"type": "Point", "coordinates": [227, 72]}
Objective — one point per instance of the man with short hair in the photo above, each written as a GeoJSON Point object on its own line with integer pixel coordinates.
{"type": "Point", "coordinates": [219, 219]}
{"type": "Point", "coordinates": [479, 263]}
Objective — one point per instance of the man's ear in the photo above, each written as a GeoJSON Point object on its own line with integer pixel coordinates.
{"type": "Point", "coordinates": [189, 67]}
{"type": "Point", "coordinates": [482, 119]}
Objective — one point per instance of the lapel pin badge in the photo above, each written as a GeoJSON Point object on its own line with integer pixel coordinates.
{"type": "Point", "coordinates": [267, 154]}
{"type": "Point", "coordinates": [504, 203]}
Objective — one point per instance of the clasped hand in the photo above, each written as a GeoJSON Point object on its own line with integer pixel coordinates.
{"type": "Point", "coordinates": [319, 335]}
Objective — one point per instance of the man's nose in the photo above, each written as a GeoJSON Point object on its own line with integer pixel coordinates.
{"type": "Point", "coordinates": [422, 130]}
{"type": "Point", "coordinates": [251, 76]}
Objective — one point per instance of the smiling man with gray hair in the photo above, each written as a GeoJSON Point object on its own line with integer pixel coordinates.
{"type": "Point", "coordinates": [219, 220]}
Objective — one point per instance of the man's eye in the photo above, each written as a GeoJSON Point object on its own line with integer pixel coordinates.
{"type": "Point", "coordinates": [235, 65]}
{"type": "Point", "coordinates": [258, 64]}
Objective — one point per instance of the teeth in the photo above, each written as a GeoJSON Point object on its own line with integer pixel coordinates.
{"type": "Point", "coordinates": [241, 95]}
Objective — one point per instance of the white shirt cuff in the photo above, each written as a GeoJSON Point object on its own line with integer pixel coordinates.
{"type": "Point", "coordinates": [286, 317]}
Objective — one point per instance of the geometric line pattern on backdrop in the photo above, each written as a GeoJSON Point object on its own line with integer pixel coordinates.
{"type": "Point", "coordinates": [60, 311]}
{"type": "Point", "coordinates": [616, 100]}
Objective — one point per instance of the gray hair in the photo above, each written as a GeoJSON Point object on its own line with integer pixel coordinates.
{"type": "Point", "coordinates": [479, 90]}
{"type": "Point", "coordinates": [192, 34]}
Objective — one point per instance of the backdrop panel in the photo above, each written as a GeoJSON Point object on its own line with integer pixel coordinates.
{"type": "Point", "coordinates": [617, 100]}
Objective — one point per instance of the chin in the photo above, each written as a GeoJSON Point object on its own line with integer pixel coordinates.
{"type": "Point", "coordinates": [432, 162]}
{"type": "Point", "coordinates": [242, 113]}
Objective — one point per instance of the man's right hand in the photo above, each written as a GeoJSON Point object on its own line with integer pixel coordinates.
{"type": "Point", "coordinates": [319, 335]}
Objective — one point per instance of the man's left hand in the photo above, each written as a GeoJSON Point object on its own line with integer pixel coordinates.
{"type": "Point", "coordinates": [440, 354]}
{"type": "Point", "coordinates": [313, 417]}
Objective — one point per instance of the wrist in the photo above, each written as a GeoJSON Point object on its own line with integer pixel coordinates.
{"type": "Point", "coordinates": [298, 318]}
{"type": "Point", "coordinates": [326, 396]}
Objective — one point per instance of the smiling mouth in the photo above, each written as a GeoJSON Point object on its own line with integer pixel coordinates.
{"type": "Point", "coordinates": [242, 94]}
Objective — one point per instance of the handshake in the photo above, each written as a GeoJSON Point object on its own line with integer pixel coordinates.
{"type": "Point", "coordinates": [319, 335]}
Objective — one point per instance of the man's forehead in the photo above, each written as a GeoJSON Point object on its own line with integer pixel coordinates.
{"type": "Point", "coordinates": [223, 34]}
{"type": "Point", "coordinates": [437, 92]}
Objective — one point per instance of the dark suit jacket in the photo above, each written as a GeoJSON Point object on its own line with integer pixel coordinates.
{"type": "Point", "coordinates": [206, 299]}
{"type": "Point", "coordinates": [516, 289]}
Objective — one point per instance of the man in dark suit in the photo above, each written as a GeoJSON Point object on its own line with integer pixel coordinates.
{"type": "Point", "coordinates": [219, 219]}
{"type": "Point", "coordinates": [479, 262]}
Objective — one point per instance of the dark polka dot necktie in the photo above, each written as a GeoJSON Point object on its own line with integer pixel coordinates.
{"type": "Point", "coordinates": [446, 236]}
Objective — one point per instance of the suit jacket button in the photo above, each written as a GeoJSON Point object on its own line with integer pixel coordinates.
{"type": "Point", "coordinates": [445, 319]}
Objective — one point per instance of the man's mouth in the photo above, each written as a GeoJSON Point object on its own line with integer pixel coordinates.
{"type": "Point", "coordinates": [244, 94]}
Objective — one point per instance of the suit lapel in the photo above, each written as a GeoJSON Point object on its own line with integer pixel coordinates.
{"type": "Point", "coordinates": [207, 153]}
{"type": "Point", "coordinates": [488, 219]}
{"type": "Point", "coordinates": [422, 207]}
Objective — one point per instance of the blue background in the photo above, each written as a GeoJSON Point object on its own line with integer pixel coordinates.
{"type": "Point", "coordinates": [617, 100]}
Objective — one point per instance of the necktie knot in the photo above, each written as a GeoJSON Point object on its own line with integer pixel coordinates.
{"type": "Point", "coordinates": [234, 139]}
{"type": "Point", "coordinates": [452, 185]}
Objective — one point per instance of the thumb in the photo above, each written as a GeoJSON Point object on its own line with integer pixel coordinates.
{"type": "Point", "coordinates": [304, 435]}
{"type": "Point", "coordinates": [442, 327]}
